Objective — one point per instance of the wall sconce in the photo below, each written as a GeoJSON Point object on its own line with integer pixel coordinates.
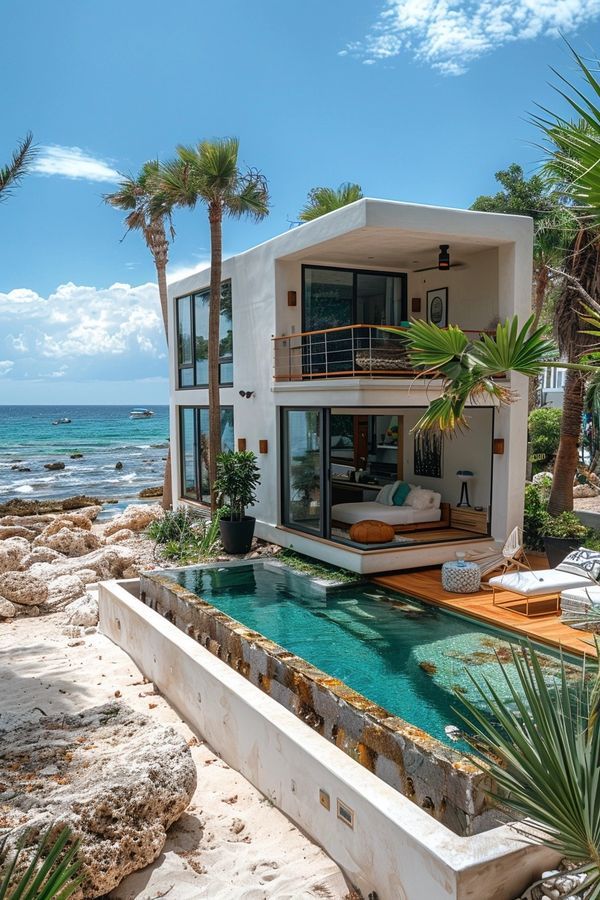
{"type": "Point", "coordinates": [263, 446]}
{"type": "Point", "coordinates": [247, 394]}
{"type": "Point", "coordinates": [241, 444]}
{"type": "Point", "coordinates": [415, 305]}
{"type": "Point", "coordinates": [498, 446]}
{"type": "Point", "coordinates": [291, 298]}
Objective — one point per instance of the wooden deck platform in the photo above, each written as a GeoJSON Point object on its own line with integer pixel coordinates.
{"type": "Point", "coordinates": [547, 629]}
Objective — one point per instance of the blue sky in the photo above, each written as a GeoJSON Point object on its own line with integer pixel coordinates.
{"type": "Point", "coordinates": [419, 100]}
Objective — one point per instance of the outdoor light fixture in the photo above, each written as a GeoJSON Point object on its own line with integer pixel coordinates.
{"type": "Point", "coordinates": [247, 394]}
{"type": "Point", "coordinates": [444, 258]}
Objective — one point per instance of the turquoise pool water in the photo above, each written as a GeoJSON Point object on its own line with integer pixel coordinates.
{"type": "Point", "coordinates": [403, 654]}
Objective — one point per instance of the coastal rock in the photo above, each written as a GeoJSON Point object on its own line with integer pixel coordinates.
{"type": "Point", "coordinates": [54, 466]}
{"type": "Point", "coordinates": [70, 540]}
{"type": "Point", "coordinates": [136, 518]}
{"type": "Point", "coordinates": [76, 456]}
{"type": "Point", "coordinates": [12, 552]}
{"type": "Point", "coordinates": [106, 562]}
{"type": "Point", "coordinates": [67, 520]}
{"type": "Point", "coordinates": [151, 491]}
{"type": "Point", "coordinates": [36, 523]}
{"type": "Point", "coordinates": [118, 465]}
{"type": "Point", "coordinates": [90, 512]}
{"type": "Point", "coordinates": [31, 611]}
{"type": "Point", "coordinates": [83, 611]}
{"type": "Point", "coordinates": [124, 534]}
{"type": "Point", "coordinates": [18, 507]}
{"type": "Point", "coordinates": [7, 609]}
{"type": "Point", "coordinates": [119, 798]}
{"type": "Point", "coordinates": [8, 531]}
{"type": "Point", "coordinates": [23, 588]}
{"type": "Point", "coordinates": [40, 555]}
{"type": "Point", "coordinates": [65, 588]}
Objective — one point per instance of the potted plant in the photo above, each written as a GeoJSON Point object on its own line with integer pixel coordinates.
{"type": "Point", "coordinates": [237, 477]}
{"type": "Point", "coordinates": [562, 534]}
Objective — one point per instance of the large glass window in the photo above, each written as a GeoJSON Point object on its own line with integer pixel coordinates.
{"type": "Point", "coordinates": [303, 469]}
{"type": "Point", "coordinates": [193, 438]}
{"type": "Point", "coordinates": [192, 338]}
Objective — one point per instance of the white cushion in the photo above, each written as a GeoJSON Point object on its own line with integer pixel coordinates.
{"type": "Point", "coordinates": [544, 581]}
{"type": "Point", "coordinates": [386, 494]}
{"type": "Point", "coordinates": [426, 499]}
{"type": "Point", "coordinates": [349, 513]}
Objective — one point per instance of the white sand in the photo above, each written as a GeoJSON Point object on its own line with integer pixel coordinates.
{"type": "Point", "coordinates": [231, 844]}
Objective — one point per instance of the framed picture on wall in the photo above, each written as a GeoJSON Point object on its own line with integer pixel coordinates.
{"type": "Point", "coordinates": [437, 307]}
{"type": "Point", "coordinates": [428, 452]}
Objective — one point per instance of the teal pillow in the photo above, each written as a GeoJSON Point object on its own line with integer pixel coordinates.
{"type": "Point", "coordinates": [401, 493]}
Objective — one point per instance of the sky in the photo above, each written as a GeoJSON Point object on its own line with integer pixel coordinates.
{"type": "Point", "coordinates": [416, 100]}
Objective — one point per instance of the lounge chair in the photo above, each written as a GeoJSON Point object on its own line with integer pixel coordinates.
{"type": "Point", "coordinates": [511, 556]}
{"type": "Point", "coordinates": [541, 583]}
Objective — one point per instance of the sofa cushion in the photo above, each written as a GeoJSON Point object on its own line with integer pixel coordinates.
{"type": "Point", "coordinates": [401, 493]}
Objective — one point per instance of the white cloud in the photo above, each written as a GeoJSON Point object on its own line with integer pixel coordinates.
{"type": "Point", "coordinates": [176, 273]}
{"type": "Point", "coordinates": [73, 162]}
{"type": "Point", "coordinates": [83, 333]}
{"type": "Point", "coordinates": [449, 34]}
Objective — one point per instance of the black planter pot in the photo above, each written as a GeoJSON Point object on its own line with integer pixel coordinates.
{"type": "Point", "coordinates": [237, 536]}
{"type": "Point", "coordinates": [557, 548]}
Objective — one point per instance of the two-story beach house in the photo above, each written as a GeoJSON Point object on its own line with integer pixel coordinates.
{"type": "Point", "coordinates": [314, 385]}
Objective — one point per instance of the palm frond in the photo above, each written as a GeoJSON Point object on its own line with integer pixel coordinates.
{"type": "Point", "coordinates": [52, 873]}
{"type": "Point", "coordinates": [323, 200]}
{"type": "Point", "coordinates": [13, 172]}
{"type": "Point", "coordinates": [251, 197]}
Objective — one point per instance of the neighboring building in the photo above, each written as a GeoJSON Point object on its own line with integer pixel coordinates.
{"type": "Point", "coordinates": [317, 390]}
{"type": "Point", "coordinates": [552, 387]}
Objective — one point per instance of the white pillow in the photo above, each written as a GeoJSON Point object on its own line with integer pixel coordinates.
{"type": "Point", "coordinates": [386, 494]}
{"type": "Point", "coordinates": [424, 499]}
{"type": "Point", "coordinates": [415, 489]}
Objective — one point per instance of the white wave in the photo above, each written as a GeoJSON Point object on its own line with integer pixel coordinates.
{"type": "Point", "coordinates": [24, 489]}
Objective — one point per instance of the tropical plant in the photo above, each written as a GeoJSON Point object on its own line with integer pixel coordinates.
{"type": "Point", "coordinates": [149, 211]}
{"type": "Point", "coordinates": [12, 173]}
{"type": "Point", "coordinates": [544, 433]}
{"type": "Point", "coordinates": [543, 752]}
{"type": "Point", "coordinates": [323, 200]}
{"type": "Point", "coordinates": [52, 871]}
{"type": "Point", "coordinates": [209, 173]}
{"type": "Point", "coordinates": [535, 515]}
{"type": "Point", "coordinates": [183, 537]}
{"type": "Point", "coordinates": [565, 526]}
{"type": "Point", "coordinates": [469, 366]}
{"type": "Point", "coordinates": [237, 478]}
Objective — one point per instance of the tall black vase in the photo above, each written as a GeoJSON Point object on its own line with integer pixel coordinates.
{"type": "Point", "coordinates": [237, 536]}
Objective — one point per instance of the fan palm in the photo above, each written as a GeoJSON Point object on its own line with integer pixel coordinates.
{"type": "Point", "coordinates": [13, 172]}
{"type": "Point", "coordinates": [543, 752]}
{"type": "Point", "coordinates": [51, 873]}
{"type": "Point", "coordinates": [148, 211]}
{"type": "Point", "coordinates": [323, 200]}
{"type": "Point", "coordinates": [209, 173]}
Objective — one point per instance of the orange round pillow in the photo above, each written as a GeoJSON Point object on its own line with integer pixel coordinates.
{"type": "Point", "coordinates": [370, 531]}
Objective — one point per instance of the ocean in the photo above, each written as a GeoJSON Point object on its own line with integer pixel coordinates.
{"type": "Point", "coordinates": [104, 435]}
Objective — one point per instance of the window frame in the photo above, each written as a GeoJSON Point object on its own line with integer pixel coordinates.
{"type": "Point", "coordinates": [197, 410]}
{"type": "Point", "coordinates": [186, 366]}
{"type": "Point", "coordinates": [403, 276]}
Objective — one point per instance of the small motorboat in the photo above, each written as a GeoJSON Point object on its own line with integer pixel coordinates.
{"type": "Point", "coordinates": [61, 422]}
{"type": "Point", "coordinates": [141, 413]}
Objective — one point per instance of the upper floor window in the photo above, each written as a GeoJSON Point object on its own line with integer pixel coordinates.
{"type": "Point", "coordinates": [337, 297]}
{"type": "Point", "coordinates": [192, 338]}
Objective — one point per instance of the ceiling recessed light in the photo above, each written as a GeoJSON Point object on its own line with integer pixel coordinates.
{"type": "Point", "coordinates": [370, 257]}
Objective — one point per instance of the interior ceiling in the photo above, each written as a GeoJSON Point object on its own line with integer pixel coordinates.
{"type": "Point", "coordinates": [388, 247]}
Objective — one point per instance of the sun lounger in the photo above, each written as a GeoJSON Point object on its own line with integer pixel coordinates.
{"type": "Point", "coordinates": [541, 583]}
{"type": "Point", "coordinates": [579, 600]}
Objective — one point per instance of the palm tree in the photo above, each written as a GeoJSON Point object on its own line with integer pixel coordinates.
{"type": "Point", "coordinates": [543, 752]}
{"type": "Point", "coordinates": [323, 200]}
{"type": "Point", "coordinates": [209, 173]}
{"type": "Point", "coordinates": [11, 174]}
{"type": "Point", "coordinates": [149, 212]}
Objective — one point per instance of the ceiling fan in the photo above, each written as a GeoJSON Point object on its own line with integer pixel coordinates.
{"type": "Point", "coordinates": [443, 263]}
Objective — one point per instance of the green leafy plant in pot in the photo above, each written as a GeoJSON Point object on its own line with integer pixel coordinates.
{"type": "Point", "coordinates": [562, 534]}
{"type": "Point", "coordinates": [238, 476]}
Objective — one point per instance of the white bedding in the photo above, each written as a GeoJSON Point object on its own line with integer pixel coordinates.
{"type": "Point", "coordinates": [350, 513]}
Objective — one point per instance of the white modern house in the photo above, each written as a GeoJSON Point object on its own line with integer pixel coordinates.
{"type": "Point", "coordinates": [325, 397]}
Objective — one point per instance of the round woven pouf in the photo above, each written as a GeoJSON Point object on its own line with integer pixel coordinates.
{"type": "Point", "coordinates": [370, 531]}
{"type": "Point", "coordinates": [461, 578]}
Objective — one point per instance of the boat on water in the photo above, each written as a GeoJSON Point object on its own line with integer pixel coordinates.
{"type": "Point", "coordinates": [141, 413]}
{"type": "Point", "coordinates": [61, 422]}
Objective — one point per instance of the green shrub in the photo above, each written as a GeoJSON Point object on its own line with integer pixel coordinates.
{"type": "Point", "coordinates": [544, 433]}
{"type": "Point", "coordinates": [566, 525]}
{"type": "Point", "coordinates": [185, 538]}
{"type": "Point", "coordinates": [237, 478]}
{"type": "Point", "coordinates": [534, 517]}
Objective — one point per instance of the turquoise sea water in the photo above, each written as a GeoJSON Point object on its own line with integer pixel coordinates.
{"type": "Point", "coordinates": [104, 435]}
{"type": "Point", "coordinates": [403, 654]}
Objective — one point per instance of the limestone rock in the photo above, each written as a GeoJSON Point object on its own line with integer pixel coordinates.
{"type": "Point", "coordinates": [123, 534]}
{"type": "Point", "coordinates": [9, 531]}
{"type": "Point", "coordinates": [119, 798]}
{"type": "Point", "coordinates": [22, 611]}
{"type": "Point", "coordinates": [71, 541]}
{"type": "Point", "coordinates": [90, 512]}
{"type": "Point", "coordinates": [18, 507]}
{"type": "Point", "coordinates": [136, 518]}
{"type": "Point", "coordinates": [67, 520]}
{"type": "Point", "coordinates": [7, 609]}
{"type": "Point", "coordinates": [36, 523]}
{"type": "Point", "coordinates": [106, 562]}
{"type": "Point", "coordinates": [23, 588]}
{"type": "Point", "coordinates": [54, 466]}
{"type": "Point", "coordinates": [40, 555]}
{"type": "Point", "coordinates": [65, 588]}
{"type": "Point", "coordinates": [83, 611]}
{"type": "Point", "coordinates": [12, 552]}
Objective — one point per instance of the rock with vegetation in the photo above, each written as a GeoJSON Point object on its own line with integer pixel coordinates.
{"type": "Point", "coordinates": [118, 780]}
{"type": "Point", "coordinates": [69, 540]}
{"type": "Point", "coordinates": [136, 518]}
{"type": "Point", "coordinates": [23, 589]}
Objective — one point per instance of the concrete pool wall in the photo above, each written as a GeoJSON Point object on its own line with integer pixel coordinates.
{"type": "Point", "coordinates": [393, 848]}
{"type": "Point", "coordinates": [442, 781]}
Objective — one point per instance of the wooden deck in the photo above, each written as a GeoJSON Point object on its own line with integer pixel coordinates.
{"type": "Point", "coordinates": [545, 628]}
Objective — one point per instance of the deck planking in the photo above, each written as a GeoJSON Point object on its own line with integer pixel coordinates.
{"type": "Point", "coordinates": [547, 628]}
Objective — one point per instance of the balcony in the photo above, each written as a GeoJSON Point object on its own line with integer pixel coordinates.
{"type": "Point", "coordinates": [350, 351]}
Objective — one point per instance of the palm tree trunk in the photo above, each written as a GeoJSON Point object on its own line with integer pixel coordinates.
{"type": "Point", "coordinates": [567, 458]}
{"type": "Point", "coordinates": [215, 216]}
{"type": "Point", "coordinates": [156, 240]}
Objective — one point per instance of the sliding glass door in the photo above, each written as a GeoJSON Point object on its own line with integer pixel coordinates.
{"type": "Point", "coordinates": [305, 505]}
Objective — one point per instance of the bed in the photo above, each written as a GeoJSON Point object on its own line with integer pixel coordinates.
{"type": "Point", "coordinates": [404, 518]}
